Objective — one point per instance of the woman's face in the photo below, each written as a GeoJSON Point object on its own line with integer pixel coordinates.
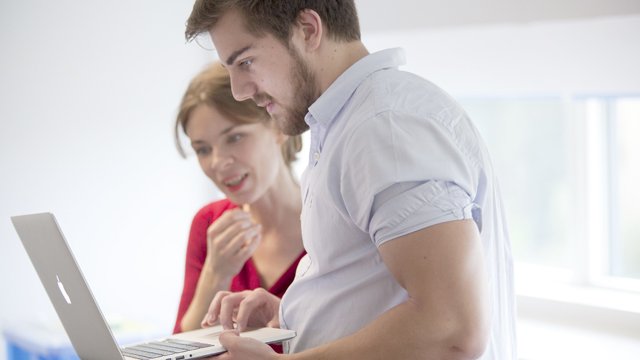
{"type": "Point", "coordinates": [243, 160]}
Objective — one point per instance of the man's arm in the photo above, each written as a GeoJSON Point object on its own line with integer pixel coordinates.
{"type": "Point", "coordinates": [447, 313]}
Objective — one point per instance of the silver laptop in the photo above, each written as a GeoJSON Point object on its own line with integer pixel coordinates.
{"type": "Point", "coordinates": [89, 333]}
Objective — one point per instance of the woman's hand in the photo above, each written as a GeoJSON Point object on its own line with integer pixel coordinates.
{"type": "Point", "coordinates": [231, 240]}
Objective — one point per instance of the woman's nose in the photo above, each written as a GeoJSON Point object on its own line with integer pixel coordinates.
{"type": "Point", "coordinates": [219, 160]}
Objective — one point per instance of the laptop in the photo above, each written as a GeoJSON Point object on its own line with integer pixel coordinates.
{"type": "Point", "coordinates": [78, 311]}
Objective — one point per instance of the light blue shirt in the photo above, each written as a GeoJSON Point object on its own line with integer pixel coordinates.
{"type": "Point", "coordinates": [390, 154]}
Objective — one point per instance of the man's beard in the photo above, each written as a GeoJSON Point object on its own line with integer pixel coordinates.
{"type": "Point", "coordinates": [291, 122]}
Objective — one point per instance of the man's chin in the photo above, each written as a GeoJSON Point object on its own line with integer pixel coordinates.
{"type": "Point", "coordinates": [293, 129]}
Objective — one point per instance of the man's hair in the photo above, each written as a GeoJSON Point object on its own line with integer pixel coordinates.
{"type": "Point", "coordinates": [277, 17]}
{"type": "Point", "coordinates": [212, 87]}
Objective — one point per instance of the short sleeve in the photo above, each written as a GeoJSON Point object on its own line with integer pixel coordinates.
{"type": "Point", "coordinates": [403, 173]}
{"type": "Point", "coordinates": [417, 207]}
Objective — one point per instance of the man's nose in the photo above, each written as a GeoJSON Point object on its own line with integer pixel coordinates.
{"type": "Point", "coordinates": [242, 87]}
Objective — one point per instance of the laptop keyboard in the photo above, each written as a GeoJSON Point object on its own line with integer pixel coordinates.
{"type": "Point", "coordinates": [165, 347]}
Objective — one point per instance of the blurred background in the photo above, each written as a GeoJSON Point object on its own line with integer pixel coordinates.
{"type": "Point", "coordinates": [89, 91]}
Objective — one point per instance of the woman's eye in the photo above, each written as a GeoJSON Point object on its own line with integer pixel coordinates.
{"type": "Point", "coordinates": [202, 151]}
{"type": "Point", "coordinates": [234, 138]}
{"type": "Point", "coordinates": [246, 63]}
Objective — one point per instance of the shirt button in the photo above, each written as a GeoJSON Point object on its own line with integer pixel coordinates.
{"type": "Point", "coordinates": [316, 156]}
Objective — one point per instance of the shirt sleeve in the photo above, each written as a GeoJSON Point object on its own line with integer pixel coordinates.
{"type": "Point", "coordinates": [404, 173]}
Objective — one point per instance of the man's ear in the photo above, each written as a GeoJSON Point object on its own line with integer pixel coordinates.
{"type": "Point", "coordinates": [308, 28]}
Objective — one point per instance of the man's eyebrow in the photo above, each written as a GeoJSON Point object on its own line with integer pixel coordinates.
{"type": "Point", "coordinates": [234, 55]}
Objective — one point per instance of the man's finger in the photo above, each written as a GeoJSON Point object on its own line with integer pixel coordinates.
{"type": "Point", "coordinates": [211, 316]}
{"type": "Point", "coordinates": [228, 306]}
{"type": "Point", "coordinates": [251, 302]}
{"type": "Point", "coordinates": [229, 338]}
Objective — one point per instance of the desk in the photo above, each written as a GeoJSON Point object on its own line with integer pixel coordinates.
{"type": "Point", "coordinates": [38, 341]}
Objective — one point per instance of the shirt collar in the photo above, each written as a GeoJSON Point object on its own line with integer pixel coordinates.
{"type": "Point", "coordinates": [327, 106]}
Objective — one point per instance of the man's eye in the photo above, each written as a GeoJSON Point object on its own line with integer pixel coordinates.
{"type": "Point", "coordinates": [245, 63]}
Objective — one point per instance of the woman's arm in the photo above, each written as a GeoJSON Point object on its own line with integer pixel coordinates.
{"type": "Point", "coordinates": [209, 283]}
{"type": "Point", "coordinates": [231, 240]}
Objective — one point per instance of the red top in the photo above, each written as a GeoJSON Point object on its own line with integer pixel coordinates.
{"type": "Point", "coordinates": [247, 279]}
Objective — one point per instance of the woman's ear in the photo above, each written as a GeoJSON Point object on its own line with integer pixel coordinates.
{"type": "Point", "coordinates": [281, 138]}
{"type": "Point", "coordinates": [277, 133]}
{"type": "Point", "coordinates": [308, 29]}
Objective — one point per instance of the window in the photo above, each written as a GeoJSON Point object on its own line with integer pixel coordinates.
{"type": "Point", "coordinates": [569, 171]}
{"type": "Point", "coordinates": [528, 142]}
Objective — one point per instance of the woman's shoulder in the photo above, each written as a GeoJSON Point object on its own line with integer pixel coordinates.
{"type": "Point", "coordinates": [214, 210]}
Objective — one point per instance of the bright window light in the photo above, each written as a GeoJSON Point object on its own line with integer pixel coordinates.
{"type": "Point", "coordinates": [529, 142]}
{"type": "Point", "coordinates": [569, 170]}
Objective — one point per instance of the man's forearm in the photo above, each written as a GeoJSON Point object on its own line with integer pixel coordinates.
{"type": "Point", "coordinates": [408, 331]}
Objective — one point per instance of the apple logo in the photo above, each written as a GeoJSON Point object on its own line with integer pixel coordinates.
{"type": "Point", "coordinates": [63, 291]}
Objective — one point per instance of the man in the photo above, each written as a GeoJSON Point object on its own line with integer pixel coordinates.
{"type": "Point", "coordinates": [408, 255]}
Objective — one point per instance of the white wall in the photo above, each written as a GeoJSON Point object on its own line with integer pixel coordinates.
{"type": "Point", "coordinates": [88, 94]}
{"type": "Point", "coordinates": [381, 15]}
{"type": "Point", "coordinates": [577, 56]}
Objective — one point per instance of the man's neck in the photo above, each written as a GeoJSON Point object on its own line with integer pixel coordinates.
{"type": "Point", "coordinates": [335, 58]}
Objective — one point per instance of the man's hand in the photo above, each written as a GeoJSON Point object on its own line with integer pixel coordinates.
{"type": "Point", "coordinates": [251, 308]}
{"type": "Point", "coordinates": [241, 348]}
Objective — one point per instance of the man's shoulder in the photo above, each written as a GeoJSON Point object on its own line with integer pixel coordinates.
{"type": "Point", "coordinates": [401, 91]}
{"type": "Point", "coordinates": [392, 79]}
{"type": "Point", "coordinates": [394, 101]}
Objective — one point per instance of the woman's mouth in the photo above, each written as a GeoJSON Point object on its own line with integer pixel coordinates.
{"type": "Point", "coordinates": [235, 183]}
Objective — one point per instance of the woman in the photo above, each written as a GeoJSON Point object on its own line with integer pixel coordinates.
{"type": "Point", "coordinates": [252, 237]}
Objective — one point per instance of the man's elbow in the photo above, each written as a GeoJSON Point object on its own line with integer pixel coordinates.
{"type": "Point", "coordinates": [468, 348]}
{"type": "Point", "coordinates": [469, 342]}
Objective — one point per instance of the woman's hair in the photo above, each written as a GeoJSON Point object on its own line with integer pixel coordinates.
{"type": "Point", "coordinates": [277, 17]}
{"type": "Point", "coordinates": [212, 87]}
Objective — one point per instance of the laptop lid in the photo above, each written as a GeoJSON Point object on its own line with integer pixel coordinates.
{"type": "Point", "coordinates": [67, 289]}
